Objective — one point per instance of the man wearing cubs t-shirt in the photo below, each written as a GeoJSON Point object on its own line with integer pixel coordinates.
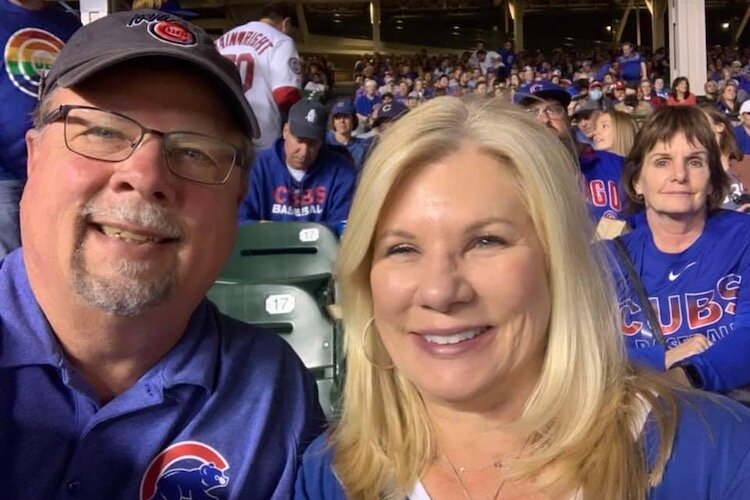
{"type": "Point", "coordinates": [269, 67]}
{"type": "Point", "coordinates": [32, 32]}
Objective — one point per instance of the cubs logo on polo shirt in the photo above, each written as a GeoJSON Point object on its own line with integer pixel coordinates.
{"type": "Point", "coordinates": [29, 53]}
{"type": "Point", "coordinates": [189, 469]}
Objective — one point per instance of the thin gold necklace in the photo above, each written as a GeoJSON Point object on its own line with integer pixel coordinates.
{"type": "Point", "coordinates": [466, 493]}
{"type": "Point", "coordinates": [498, 464]}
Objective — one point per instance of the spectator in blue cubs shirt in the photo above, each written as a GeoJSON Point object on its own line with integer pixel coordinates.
{"type": "Point", "coordinates": [343, 123]}
{"type": "Point", "coordinates": [690, 256]}
{"type": "Point", "coordinates": [301, 178]}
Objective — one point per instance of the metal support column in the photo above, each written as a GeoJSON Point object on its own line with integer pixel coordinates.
{"type": "Point", "coordinates": [517, 8]}
{"type": "Point", "coordinates": [687, 41]}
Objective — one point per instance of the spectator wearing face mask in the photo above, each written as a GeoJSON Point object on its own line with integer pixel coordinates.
{"type": "Point", "coordinates": [593, 99]}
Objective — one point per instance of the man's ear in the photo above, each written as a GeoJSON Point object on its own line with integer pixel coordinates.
{"type": "Point", "coordinates": [286, 25]}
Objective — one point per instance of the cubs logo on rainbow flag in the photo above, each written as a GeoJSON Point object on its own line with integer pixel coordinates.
{"type": "Point", "coordinates": [29, 53]}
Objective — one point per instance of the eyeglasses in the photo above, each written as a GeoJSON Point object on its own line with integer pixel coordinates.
{"type": "Point", "coordinates": [553, 111]}
{"type": "Point", "coordinates": [108, 136]}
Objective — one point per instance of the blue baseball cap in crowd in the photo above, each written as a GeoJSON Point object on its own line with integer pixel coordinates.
{"type": "Point", "coordinates": [390, 112]}
{"type": "Point", "coordinates": [342, 107]}
{"type": "Point", "coordinates": [541, 90]}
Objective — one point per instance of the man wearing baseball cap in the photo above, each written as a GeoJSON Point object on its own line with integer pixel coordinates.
{"type": "Point", "coordinates": [118, 378]}
{"type": "Point", "coordinates": [301, 178]}
{"type": "Point", "coordinates": [343, 123]}
{"type": "Point", "coordinates": [549, 103]}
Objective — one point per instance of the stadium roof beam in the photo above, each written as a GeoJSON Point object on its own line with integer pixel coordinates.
{"type": "Point", "coordinates": [742, 25]}
{"type": "Point", "coordinates": [658, 9]}
{"type": "Point", "coordinates": [623, 21]}
{"type": "Point", "coordinates": [517, 9]}
{"type": "Point", "coordinates": [621, 25]}
{"type": "Point", "coordinates": [375, 21]}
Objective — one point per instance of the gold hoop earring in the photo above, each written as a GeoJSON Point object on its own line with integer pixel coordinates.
{"type": "Point", "coordinates": [364, 347]}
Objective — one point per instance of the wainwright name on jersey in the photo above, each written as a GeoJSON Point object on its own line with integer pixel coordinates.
{"type": "Point", "coordinates": [270, 71]}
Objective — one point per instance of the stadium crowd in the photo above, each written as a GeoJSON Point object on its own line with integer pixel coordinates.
{"type": "Point", "coordinates": [624, 79]}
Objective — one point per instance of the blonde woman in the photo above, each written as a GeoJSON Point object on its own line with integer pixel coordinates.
{"type": "Point", "coordinates": [615, 132]}
{"type": "Point", "coordinates": [483, 353]}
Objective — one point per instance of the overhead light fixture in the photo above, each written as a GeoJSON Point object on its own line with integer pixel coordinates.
{"type": "Point", "coordinates": [608, 28]}
{"type": "Point", "coordinates": [725, 26]}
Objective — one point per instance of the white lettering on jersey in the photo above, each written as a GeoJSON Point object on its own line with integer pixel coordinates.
{"type": "Point", "coordinates": [266, 60]}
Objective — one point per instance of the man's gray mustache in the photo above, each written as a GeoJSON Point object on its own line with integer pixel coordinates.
{"type": "Point", "coordinates": [149, 216]}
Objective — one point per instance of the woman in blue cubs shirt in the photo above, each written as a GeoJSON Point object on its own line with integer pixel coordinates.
{"type": "Point", "coordinates": [692, 257]}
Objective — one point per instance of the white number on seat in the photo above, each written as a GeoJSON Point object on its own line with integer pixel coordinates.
{"type": "Point", "coordinates": [280, 303]}
{"type": "Point", "coordinates": [309, 234]}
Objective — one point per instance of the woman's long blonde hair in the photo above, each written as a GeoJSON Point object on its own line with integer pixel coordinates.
{"type": "Point", "coordinates": [585, 409]}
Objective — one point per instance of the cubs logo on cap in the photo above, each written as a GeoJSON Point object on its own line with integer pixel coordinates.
{"type": "Point", "coordinates": [541, 90]}
{"type": "Point", "coordinates": [189, 469]}
{"type": "Point", "coordinates": [171, 32]}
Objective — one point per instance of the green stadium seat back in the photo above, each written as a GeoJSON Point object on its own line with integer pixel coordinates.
{"type": "Point", "coordinates": [295, 253]}
{"type": "Point", "coordinates": [288, 311]}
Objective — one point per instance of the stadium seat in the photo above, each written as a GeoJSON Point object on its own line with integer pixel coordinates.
{"type": "Point", "coordinates": [288, 253]}
{"type": "Point", "coordinates": [296, 316]}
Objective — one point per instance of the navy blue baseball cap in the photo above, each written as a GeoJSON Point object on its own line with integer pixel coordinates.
{"type": "Point", "coordinates": [390, 112]}
{"type": "Point", "coordinates": [307, 120]}
{"type": "Point", "coordinates": [133, 35]}
{"type": "Point", "coordinates": [528, 94]}
{"type": "Point", "coordinates": [342, 107]}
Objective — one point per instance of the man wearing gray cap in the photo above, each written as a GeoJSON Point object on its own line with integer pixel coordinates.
{"type": "Point", "coordinates": [118, 379]}
{"type": "Point", "coordinates": [301, 178]}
